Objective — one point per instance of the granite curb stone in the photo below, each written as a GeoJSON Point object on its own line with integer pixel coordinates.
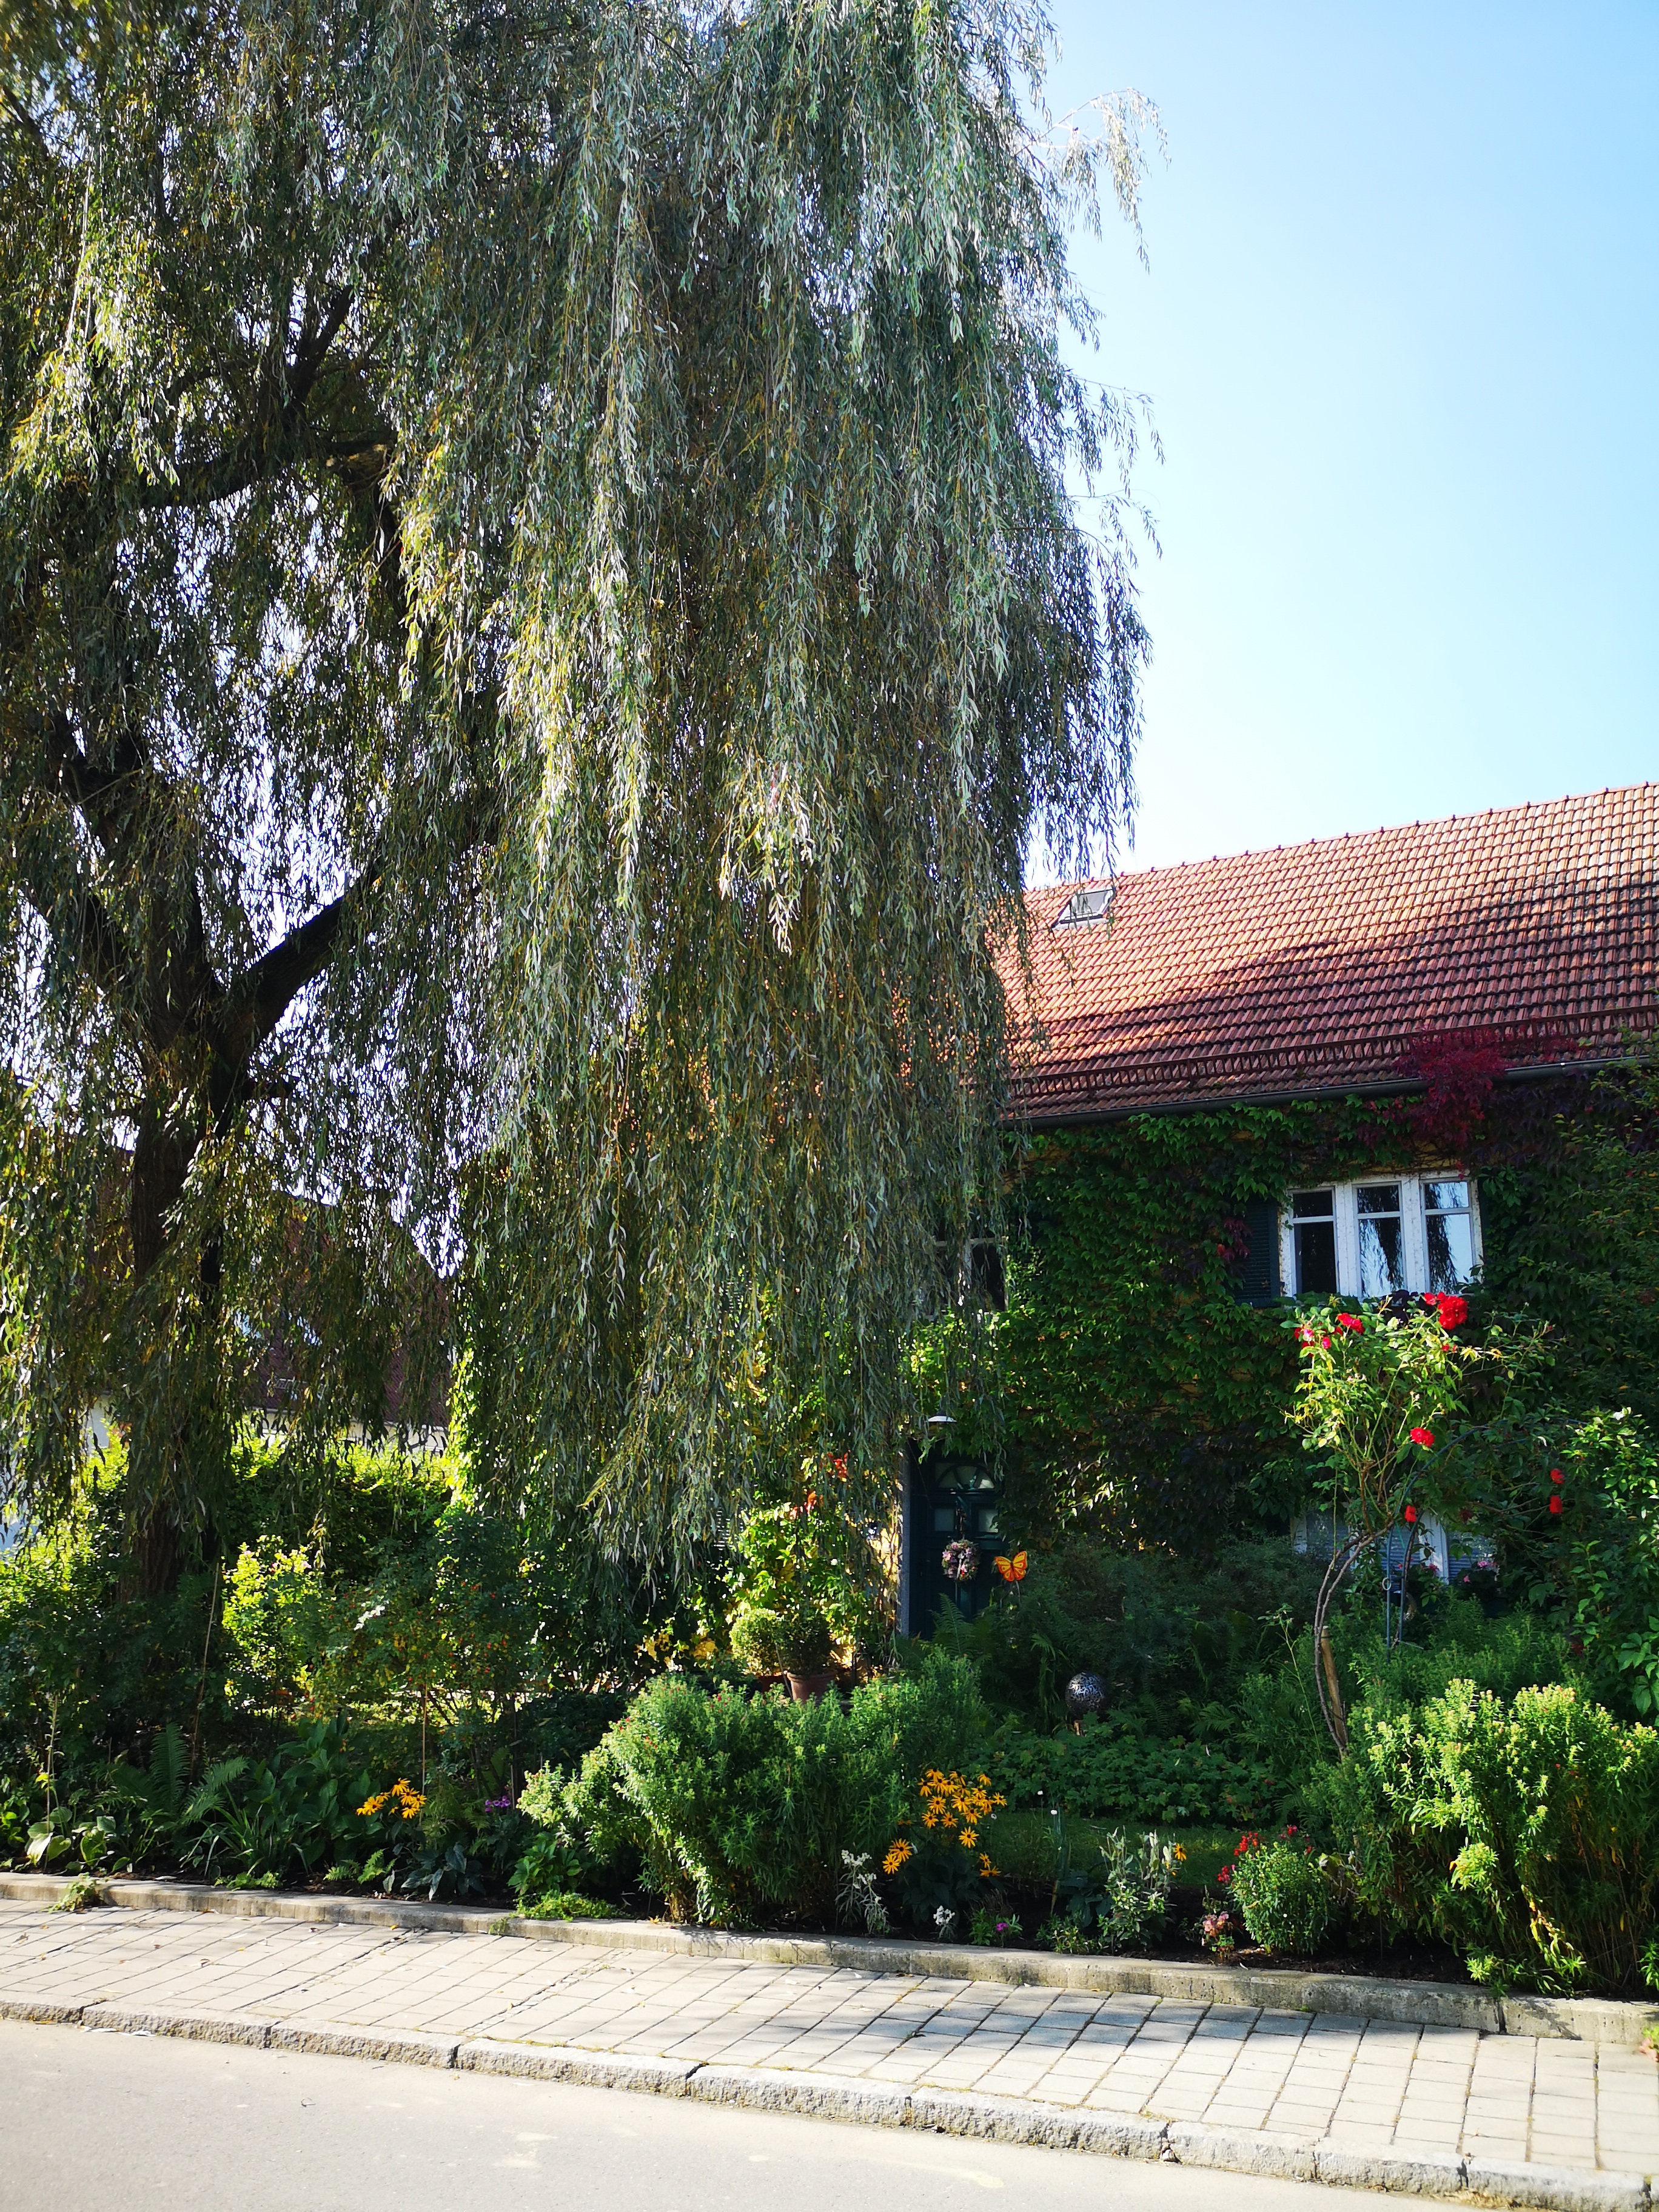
{"type": "Point", "coordinates": [1020, 2119]}
{"type": "Point", "coordinates": [193, 2027]}
{"type": "Point", "coordinates": [1421, 2004]}
{"type": "Point", "coordinates": [45, 2012]}
{"type": "Point", "coordinates": [1556, 2188]}
{"type": "Point", "coordinates": [1241, 2150]}
{"type": "Point", "coordinates": [591, 2069]}
{"type": "Point", "coordinates": [410, 2047]}
{"type": "Point", "coordinates": [815, 2096]}
{"type": "Point", "coordinates": [1405, 2177]}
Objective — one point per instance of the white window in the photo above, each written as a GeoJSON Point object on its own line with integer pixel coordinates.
{"type": "Point", "coordinates": [1364, 1240]}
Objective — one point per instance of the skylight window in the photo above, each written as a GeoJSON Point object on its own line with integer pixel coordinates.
{"type": "Point", "coordinates": [1084, 905]}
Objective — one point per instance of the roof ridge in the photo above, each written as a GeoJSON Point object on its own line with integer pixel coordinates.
{"type": "Point", "coordinates": [1347, 837]}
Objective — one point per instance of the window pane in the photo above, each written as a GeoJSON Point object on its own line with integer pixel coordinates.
{"type": "Point", "coordinates": [1379, 1198]}
{"type": "Point", "coordinates": [1315, 1257]}
{"type": "Point", "coordinates": [1315, 1202]}
{"type": "Point", "coordinates": [1451, 1251]}
{"type": "Point", "coordinates": [1380, 1271]}
{"type": "Point", "coordinates": [985, 1277]}
{"type": "Point", "coordinates": [944, 1520]}
{"type": "Point", "coordinates": [1446, 1197]}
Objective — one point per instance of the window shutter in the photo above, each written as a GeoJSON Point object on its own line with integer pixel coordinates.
{"type": "Point", "coordinates": [1257, 1275]}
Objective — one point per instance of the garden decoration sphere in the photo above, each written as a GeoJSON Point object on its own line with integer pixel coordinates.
{"type": "Point", "coordinates": [1085, 1693]}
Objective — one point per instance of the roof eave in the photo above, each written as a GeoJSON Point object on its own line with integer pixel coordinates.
{"type": "Point", "coordinates": [1310, 1094]}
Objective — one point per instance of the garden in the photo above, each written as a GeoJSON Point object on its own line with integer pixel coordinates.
{"type": "Point", "coordinates": [530, 684]}
{"type": "Point", "coordinates": [379, 1683]}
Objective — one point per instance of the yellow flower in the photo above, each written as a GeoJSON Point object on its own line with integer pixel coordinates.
{"type": "Point", "coordinates": [1180, 1854]}
{"type": "Point", "coordinates": [402, 1792]}
{"type": "Point", "coordinates": [897, 1852]}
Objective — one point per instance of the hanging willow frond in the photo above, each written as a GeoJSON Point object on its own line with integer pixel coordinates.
{"type": "Point", "coordinates": [541, 608]}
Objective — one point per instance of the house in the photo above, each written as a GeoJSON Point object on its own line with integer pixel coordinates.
{"type": "Point", "coordinates": [1325, 1045]}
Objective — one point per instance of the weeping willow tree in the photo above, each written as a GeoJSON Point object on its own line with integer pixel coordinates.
{"type": "Point", "coordinates": [541, 607]}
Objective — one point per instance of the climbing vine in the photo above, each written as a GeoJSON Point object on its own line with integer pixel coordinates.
{"type": "Point", "coordinates": [1125, 1389]}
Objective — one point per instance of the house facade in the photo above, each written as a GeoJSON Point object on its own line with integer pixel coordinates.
{"type": "Point", "coordinates": [1355, 1065]}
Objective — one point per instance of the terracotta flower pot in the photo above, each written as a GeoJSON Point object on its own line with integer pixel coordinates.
{"type": "Point", "coordinates": [803, 1686]}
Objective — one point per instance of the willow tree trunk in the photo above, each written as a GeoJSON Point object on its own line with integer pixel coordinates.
{"type": "Point", "coordinates": [158, 1447]}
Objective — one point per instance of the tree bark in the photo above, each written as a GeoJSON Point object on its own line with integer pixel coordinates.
{"type": "Point", "coordinates": [160, 1163]}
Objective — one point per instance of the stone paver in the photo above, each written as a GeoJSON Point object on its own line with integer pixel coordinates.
{"type": "Point", "coordinates": [1346, 2082]}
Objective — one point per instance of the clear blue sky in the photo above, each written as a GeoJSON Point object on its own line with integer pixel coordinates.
{"type": "Point", "coordinates": [1401, 335]}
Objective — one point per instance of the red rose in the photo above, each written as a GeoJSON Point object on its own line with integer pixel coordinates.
{"type": "Point", "coordinates": [1423, 1437]}
{"type": "Point", "coordinates": [1555, 1474]}
{"type": "Point", "coordinates": [1226, 1874]}
{"type": "Point", "coordinates": [1555, 1504]}
{"type": "Point", "coordinates": [1453, 1312]}
{"type": "Point", "coordinates": [1411, 1513]}
{"type": "Point", "coordinates": [1350, 1321]}
{"type": "Point", "coordinates": [1324, 1344]}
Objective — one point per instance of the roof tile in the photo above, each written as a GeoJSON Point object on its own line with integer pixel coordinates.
{"type": "Point", "coordinates": [1314, 967]}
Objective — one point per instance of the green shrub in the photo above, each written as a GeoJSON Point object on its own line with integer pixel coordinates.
{"type": "Point", "coordinates": [261, 1821]}
{"type": "Point", "coordinates": [1113, 1769]}
{"type": "Point", "coordinates": [1455, 1642]}
{"type": "Point", "coordinates": [1608, 1566]}
{"type": "Point", "coordinates": [1119, 1903]}
{"type": "Point", "coordinates": [1286, 1895]}
{"type": "Point", "coordinates": [1525, 1832]}
{"type": "Point", "coordinates": [773, 1643]}
{"type": "Point", "coordinates": [83, 1675]}
{"type": "Point", "coordinates": [547, 1867]}
{"type": "Point", "coordinates": [566, 1905]}
{"type": "Point", "coordinates": [733, 1806]}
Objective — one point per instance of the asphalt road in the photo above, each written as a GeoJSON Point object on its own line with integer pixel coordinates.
{"type": "Point", "coordinates": [99, 2120]}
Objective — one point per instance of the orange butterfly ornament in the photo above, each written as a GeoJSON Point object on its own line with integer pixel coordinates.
{"type": "Point", "coordinates": [1011, 1571]}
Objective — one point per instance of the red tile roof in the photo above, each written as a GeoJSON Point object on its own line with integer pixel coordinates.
{"type": "Point", "coordinates": [1314, 968]}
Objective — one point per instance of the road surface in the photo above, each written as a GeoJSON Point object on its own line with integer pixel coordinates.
{"type": "Point", "coordinates": [100, 2120]}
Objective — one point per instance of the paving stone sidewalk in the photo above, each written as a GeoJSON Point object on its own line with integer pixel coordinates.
{"type": "Point", "coordinates": [1347, 2084]}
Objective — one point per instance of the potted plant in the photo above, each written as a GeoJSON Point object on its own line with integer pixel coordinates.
{"type": "Point", "coordinates": [795, 1644]}
{"type": "Point", "coordinates": [803, 1580]}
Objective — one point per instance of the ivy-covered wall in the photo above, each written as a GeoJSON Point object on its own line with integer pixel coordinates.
{"type": "Point", "coordinates": [1130, 1389]}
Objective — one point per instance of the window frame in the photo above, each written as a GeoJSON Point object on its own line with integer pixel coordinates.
{"type": "Point", "coordinates": [1413, 1228]}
